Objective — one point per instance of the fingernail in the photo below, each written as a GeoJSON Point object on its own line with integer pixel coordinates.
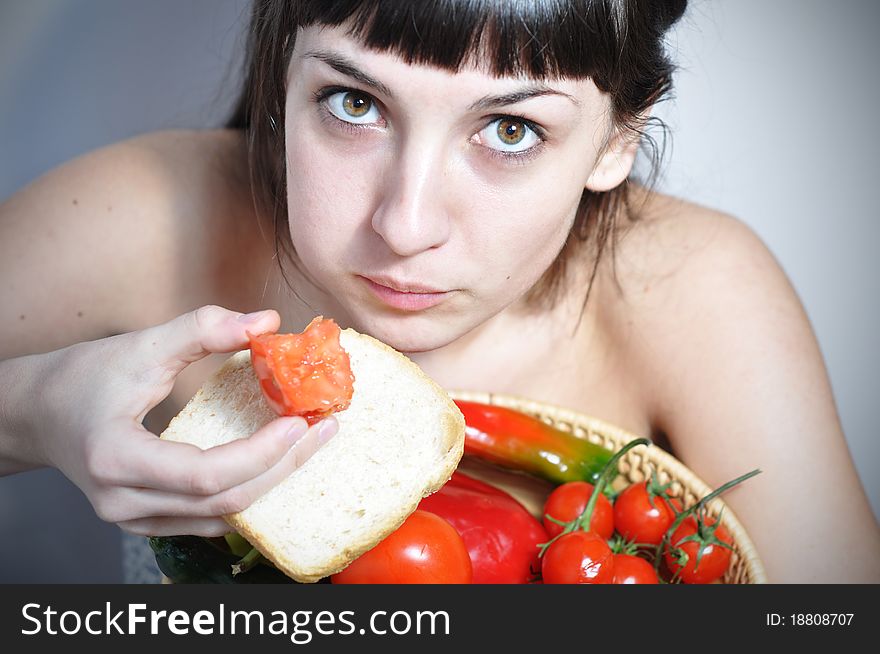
{"type": "Point", "coordinates": [296, 431]}
{"type": "Point", "coordinates": [328, 429]}
{"type": "Point", "coordinates": [251, 318]}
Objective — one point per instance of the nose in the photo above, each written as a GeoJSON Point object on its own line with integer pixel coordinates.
{"type": "Point", "coordinates": [411, 216]}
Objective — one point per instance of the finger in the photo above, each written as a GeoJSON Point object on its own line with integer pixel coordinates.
{"type": "Point", "coordinates": [149, 462]}
{"type": "Point", "coordinates": [192, 336]}
{"type": "Point", "coordinates": [165, 526]}
{"type": "Point", "coordinates": [130, 503]}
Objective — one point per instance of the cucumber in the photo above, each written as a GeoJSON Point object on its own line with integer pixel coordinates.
{"type": "Point", "coordinates": [196, 560]}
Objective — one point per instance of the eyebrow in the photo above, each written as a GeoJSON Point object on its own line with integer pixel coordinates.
{"type": "Point", "coordinates": [489, 101]}
{"type": "Point", "coordinates": [347, 67]}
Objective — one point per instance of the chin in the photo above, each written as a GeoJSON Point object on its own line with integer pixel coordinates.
{"type": "Point", "coordinates": [409, 334]}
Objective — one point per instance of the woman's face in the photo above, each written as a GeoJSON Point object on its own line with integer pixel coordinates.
{"type": "Point", "coordinates": [422, 202]}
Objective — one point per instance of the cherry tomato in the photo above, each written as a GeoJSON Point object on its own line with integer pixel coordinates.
{"type": "Point", "coordinates": [714, 560]}
{"type": "Point", "coordinates": [425, 549]}
{"type": "Point", "coordinates": [307, 374]}
{"type": "Point", "coordinates": [637, 519]}
{"type": "Point", "coordinates": [579, 557]}
{"type": "Point", "coordinates": [568, 501]}
{"type": "Point", "coordinates": [629, 569]}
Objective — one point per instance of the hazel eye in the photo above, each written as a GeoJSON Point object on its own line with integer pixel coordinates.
{"type": "Point", "coordinates": [510, 132]}
{"type": "Point", "coordinates": [353, 107]}
{"type": "Point", "coordinates": [508, 135]}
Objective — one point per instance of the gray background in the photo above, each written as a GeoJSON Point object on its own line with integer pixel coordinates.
{"type": "Point", "coordinates": [771, 123]}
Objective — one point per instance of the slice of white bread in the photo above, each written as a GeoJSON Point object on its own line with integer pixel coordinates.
{"type": "Point", "coordinates": [399, 440]}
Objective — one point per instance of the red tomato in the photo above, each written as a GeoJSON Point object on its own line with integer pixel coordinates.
{"type": "Point", "coordinates": [579, 557]}
{"type": "Point", "coordinates": [307, 374]}
{"type": "Point", "coordinates": [501, 536]}
{"type": "Point", "coordinates": [714, 560]}
{"type": "Point", "coordinates": [629, 569]}
{"type": "Point", "coordinates": [637, 520]}
{"type": "Point", "coordinates": [425, 549]}
{"type": "Point", "coordinates": [569, 500]}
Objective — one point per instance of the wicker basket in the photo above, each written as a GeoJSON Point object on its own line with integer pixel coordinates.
{"type": "Point", "coordinates": [745, 566]}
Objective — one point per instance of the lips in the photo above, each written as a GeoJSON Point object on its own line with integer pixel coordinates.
{"type": "Point", "coordinates": [414, 297]}
{"type": "Point", "coordinates": [402, 287]}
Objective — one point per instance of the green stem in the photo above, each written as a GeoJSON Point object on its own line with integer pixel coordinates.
{"type": "Point", "coordinates": [250, 559]}
{"type": "Point", "coordinates": [584, 521]}
{"type": "Point", "coordinates": [662, 545]}
{"type": "Point", "coordinates": [237, 544]}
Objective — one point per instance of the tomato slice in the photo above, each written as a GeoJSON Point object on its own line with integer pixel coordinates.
{"type": "Point", "coordinates": [307, 374]}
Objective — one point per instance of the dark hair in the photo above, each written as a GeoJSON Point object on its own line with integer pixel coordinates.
{"type": "Point", "coordinates": [619, 44]}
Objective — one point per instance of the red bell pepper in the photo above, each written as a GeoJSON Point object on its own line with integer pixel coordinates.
{"type": "Point", "coordinates": [501, 536]}
{"type": "Point", "coordinates": [518, 441]}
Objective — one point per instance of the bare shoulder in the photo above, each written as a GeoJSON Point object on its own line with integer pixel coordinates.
{"type": "Point", "coordinates": [118, 238]}
{"type": "Point", "coordinates": [678, 251]}
{"type": "Point", "coordinates": [700, 294]}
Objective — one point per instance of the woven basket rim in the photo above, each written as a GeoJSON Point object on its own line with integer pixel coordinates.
{"type": "Point", "coordinates": [684, 474]}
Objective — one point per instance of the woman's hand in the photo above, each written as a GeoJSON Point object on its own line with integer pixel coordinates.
{"type": "Point", "coordinates": [93, 397]}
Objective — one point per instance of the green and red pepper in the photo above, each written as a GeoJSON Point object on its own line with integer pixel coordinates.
{"type": "Point", "coordinates": [521, 442]}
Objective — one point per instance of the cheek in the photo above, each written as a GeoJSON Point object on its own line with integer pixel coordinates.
{"type": "Point", "coordinates": [532, 206]}
{"type": "Point", "coordinates": [520, 227]}
{"type": "Point", "coordinates": [325, 198]}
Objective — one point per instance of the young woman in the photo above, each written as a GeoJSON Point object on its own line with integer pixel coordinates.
{"type": "Point", "coordinates": [454, 179]}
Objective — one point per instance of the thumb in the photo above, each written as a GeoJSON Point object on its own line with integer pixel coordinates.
{"type": "Point", "coordinates": [194, 335]}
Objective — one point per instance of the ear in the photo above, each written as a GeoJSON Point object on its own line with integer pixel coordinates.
{"type": "Point", "coordinates": [615, 161]}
